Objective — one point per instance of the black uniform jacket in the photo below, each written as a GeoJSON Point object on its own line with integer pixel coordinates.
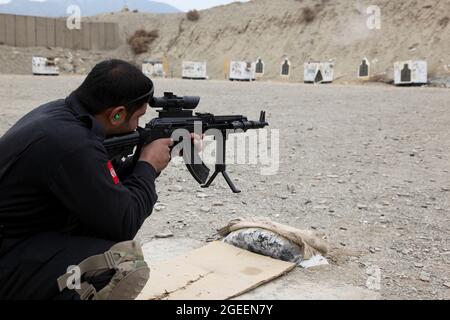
{"type": "Point", "coordinates": [55, 175]}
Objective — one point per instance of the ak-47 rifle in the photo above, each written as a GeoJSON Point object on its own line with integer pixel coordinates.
{"type": "Point", "coordinates": [177, 113]}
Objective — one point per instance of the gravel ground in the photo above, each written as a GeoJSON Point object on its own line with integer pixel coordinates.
{"type": "Point", "coordinates": [366, 165]}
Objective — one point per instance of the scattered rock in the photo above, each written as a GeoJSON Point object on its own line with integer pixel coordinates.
{"type": "Point", "coordinates": [164, 235]}
{"type": "Point", "coordinates": [362, 207]}
{"type": "Point", "coordinates": [176, 188]}
{"type": "Point", "coordinates": [211, 239]}
{"type": "Point", "coordinates": [202, 195]}
{"type": "Point", "coordinates": [218, 204]}
{"type": "Point", "coordinates": [205, 209]}
{"type": "Point", "coordinates": [425, 277]}
{"type": "Point", "coordinates": [291, 189]}
{"type": "Point", "coordinates": [67, 67]}
{"type": "Point", "coordinates": [406, 251]}
{"type": "Point", "coordinates": [404, 195]}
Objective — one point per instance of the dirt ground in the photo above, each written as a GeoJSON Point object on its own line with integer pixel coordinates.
{"type": "Point", "coordinates": [369, 166]}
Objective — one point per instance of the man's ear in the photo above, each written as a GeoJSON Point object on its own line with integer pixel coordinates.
{"type": "Point", "coordinates": [117, 116]}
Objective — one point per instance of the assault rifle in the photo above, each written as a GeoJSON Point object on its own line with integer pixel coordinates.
{"type": "Point", "coordinates": [176, 113]}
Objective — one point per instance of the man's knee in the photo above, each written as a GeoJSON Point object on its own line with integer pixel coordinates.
{"type": "Point", "coordinates": [123, 268]}
{"type": "Point", "coordinates": [31, 266]}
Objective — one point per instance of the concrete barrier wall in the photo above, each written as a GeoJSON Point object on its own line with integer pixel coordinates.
{"type": "Point", "coordinates": [101, 35]}
{"type": "Point", "coordinates": [50, 35]}
{"type": "Point", "coordinates": [2, 29]}
{"type": "Point", "coordinates": [28, 31]}
{"type": "Point", "coordinates": [111, 30]}
{"type": "Point", "coordinates": [60, 26]}
{"type": "Point", "coordinates": [10, 30]}
{"type": "Point", "coordinates": [95, 36]}
{"type": "Point", "coordinates": [31, 31]}
{"type": "Point", "coordinates": [85, 35]}
{"type": "Point", "coordinates": [76, 39]}
{"type": "Point", "coordinates": [41, 32]}
{"type": "Point", "coordinates": [21, 31]}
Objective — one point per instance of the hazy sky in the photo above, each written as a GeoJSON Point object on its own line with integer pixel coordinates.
{"type": "Point", "coordinates": [184, 5]}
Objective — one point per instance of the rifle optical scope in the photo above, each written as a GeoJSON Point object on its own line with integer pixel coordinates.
{"type": "Point", "coordinates": [171, 101]}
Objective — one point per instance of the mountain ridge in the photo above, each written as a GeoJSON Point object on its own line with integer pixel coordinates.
{"type": "Point", "coordinates": [58, 8]}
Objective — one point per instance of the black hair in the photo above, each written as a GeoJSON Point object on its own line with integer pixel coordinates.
{"type": "Point", "coordinates": [114, 83]}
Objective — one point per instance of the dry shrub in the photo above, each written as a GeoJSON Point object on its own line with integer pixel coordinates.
{"type": "Point", "coordinates": [444, 22]}
{"type": "Point", "coordinates": [141, 39]}
{"type": "Point", "coordinates": [193, 15]}
{"type": "Point", "coordinates": [381, 77]}
{"type": "Point", "coordinates": [308, 15]}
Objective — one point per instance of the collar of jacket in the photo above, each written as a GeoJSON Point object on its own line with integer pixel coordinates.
{"type": "Point", "coordinates": [83, 115]}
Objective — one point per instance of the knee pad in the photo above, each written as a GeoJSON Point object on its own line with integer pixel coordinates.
{"type": "Point", "coordinates": [130, 276]}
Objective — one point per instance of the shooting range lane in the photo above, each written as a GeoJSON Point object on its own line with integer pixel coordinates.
{"type": "Point", "coordinates": [366, 165]}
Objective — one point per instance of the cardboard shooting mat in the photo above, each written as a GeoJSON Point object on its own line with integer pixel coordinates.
{"type": "Point", "coordinates": [217, 271]}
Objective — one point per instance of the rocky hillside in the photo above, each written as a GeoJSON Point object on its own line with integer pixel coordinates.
{"type": "Point", "coordinates": [302, 30]}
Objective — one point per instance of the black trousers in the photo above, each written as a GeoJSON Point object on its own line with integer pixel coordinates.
{"type": "Point", "coordinates": [30, 267]}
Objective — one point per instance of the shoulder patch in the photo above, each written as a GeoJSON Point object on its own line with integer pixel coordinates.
{"type": "Point", "coordinates": [113, 173]}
